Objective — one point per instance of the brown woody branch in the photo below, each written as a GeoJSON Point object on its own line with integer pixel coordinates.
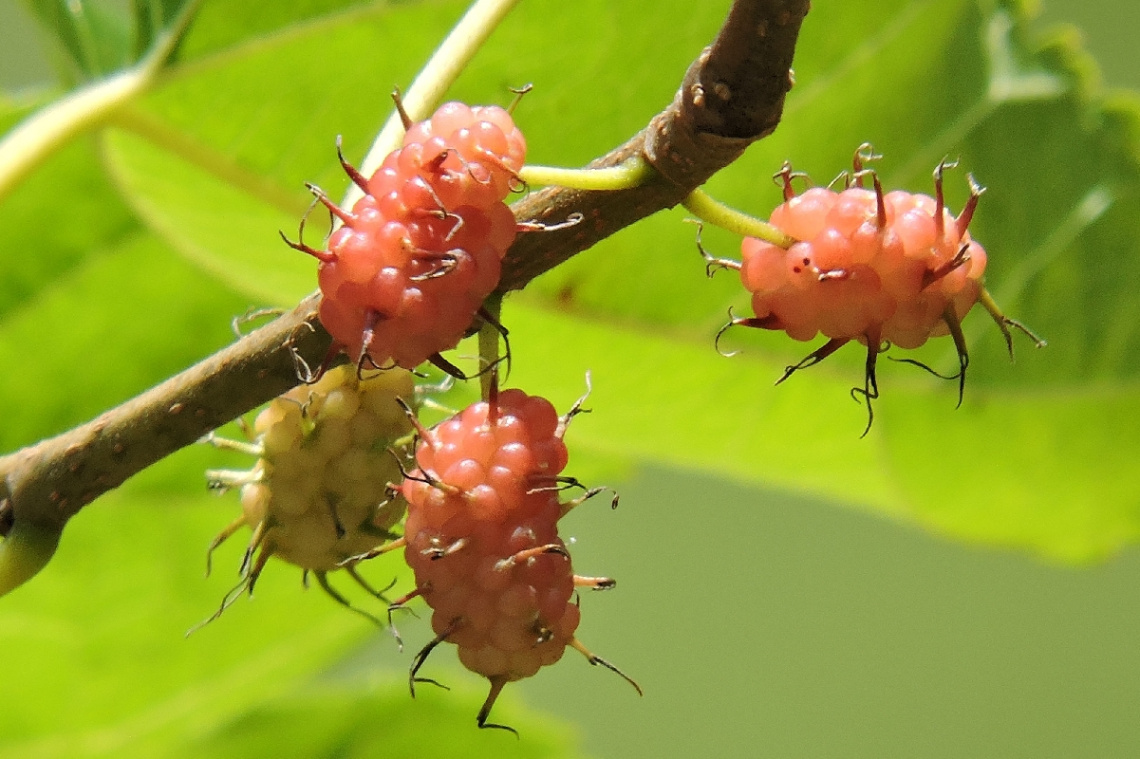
{"type": "Point", "coordinates": [732, 95]}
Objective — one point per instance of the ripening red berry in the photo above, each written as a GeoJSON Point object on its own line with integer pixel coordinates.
{"type": "Point", "coordinates": [404, 276]}
{"type": "Point", "coordinates": [867, 266]}
{"type": "Point", "coordinates": [880, 269]}
{"type": "Point", "coordinates": [482, 538]}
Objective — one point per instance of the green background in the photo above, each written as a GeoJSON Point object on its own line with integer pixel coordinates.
{"type": "Point", "coordinates": [759, 624]}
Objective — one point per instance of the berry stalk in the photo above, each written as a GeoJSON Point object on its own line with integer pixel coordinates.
{"type": "Point", "coordinates": [630, 173]}
{"type": "Point", "coordinates": [704, 207]}
{"type": "Point", "coordinates": [489, 335]}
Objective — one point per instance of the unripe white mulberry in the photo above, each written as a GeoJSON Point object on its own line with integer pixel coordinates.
{"type": "Point", "coordinates": [319, 493]}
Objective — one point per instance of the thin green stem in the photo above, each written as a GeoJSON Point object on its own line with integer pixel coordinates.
{"type": "Point", "coordinates": [35, 138]}
{"type": "Point", "coordinates": [441, 71]}
{"type": "Point", "coordinates": [631, 173]}
{"type": "Point", "coordinates": [489, 344]}
{"type": "Point", "coordinates": [716, 213]}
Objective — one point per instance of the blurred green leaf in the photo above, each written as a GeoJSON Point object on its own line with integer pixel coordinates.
{"type": "Point", "coordinates": [227, 232]}
{"type": "Point", "coordinates": [94, 36]}
{"type": "Point", "coordinates": [1061, 160]}
{"type": "Point", "coordinates": [150, 18]}
{"type": "Point", "coordinates": [113, 609]}
{"type": "Point", "coordinates": [124, 319]}
{"type": "Point", "coordinates": [1061, 164]}
{"type": "Point", "coordinates": [220, 26]}
{"type": "Point", "coordinates": [686, 406]}
{"type": "Point", "coordinates": [379, 719]}
{"type": "Point", "coordinates": [1049, 471]}
{"type": "Point", "coordinates": [220, 188]}
{"type": "Point", "coordinates": [971, 82]}
{"type": "Point", "coordinates": [36, 248]}
{"type": "Point", "coordinates": [103, 630]}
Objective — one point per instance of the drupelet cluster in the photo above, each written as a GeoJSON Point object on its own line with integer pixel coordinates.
{"type": "Point", "coordinates": [317, 495]}
{"type": "Point", "coordinates": [859, 264]}
{"type": "Point", "coordinates": [416, 256]}
{"type": "Point", "coordinates": [867, 266]}
{"type": "Point", "coordinates": [482, 538]}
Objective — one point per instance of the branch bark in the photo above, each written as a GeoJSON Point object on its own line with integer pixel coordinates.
{"type": "Point", "coordinates": [732, 95]}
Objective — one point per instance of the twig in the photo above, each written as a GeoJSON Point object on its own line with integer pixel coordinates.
{"type": "Point", "coordinates": [53, 479]}
{"type": "Point", "coordinates": [732, 95]}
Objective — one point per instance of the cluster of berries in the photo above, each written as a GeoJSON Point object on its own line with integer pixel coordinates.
{"type": "Point", "coordinates": [403, 278]}
{"type": "Point", "coordinates": [482, 538]}
{"type": "Point", "coordinates": [316, 496]}
{"type": "Point", "coordinates": [416, 256]}
{"type": "Point", "coordinates": [482, 504]}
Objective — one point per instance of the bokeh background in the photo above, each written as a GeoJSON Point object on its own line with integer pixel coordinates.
{"type": "Point", "coordinates": [758, 624]}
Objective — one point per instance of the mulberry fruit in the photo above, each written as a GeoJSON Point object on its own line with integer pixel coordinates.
{"type": "Point", "coordinates": [482, 538]}
{"type": "Point", "coordinates": [404, 276]}
{"type": "Point", "coordinates": [881, 269]}
{"type": "Point", "coordinates": [317, 496]}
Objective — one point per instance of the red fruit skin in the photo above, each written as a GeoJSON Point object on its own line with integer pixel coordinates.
{"type": "Point", "coordinates": [422, 250]}
{"type": "Point", "coordinates": [850, 277]}
{"type": "Point", "coordinates": [482, 493]}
